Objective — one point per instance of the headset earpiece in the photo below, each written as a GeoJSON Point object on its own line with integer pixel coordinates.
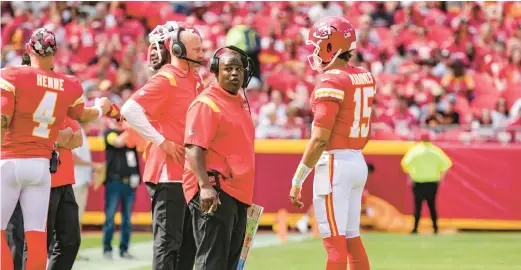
{"type": "Point", "coordinates": [214, 64]}
{"type": "Point", "coordinates": [178, 48]}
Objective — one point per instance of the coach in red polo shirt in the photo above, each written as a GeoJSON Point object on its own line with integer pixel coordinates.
{"type": "Point", "coordinates": [218, 178]}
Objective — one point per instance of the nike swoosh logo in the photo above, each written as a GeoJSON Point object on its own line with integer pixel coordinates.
{"type": "Point", "coordinates": [325, 79]}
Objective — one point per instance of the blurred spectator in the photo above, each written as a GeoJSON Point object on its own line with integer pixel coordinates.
{"type": "Point", "coordinates": [324, 9]}
{"type": "Point", "coordinates": [458, 81]}
{"type": "Point", "coordinates": [381, 16]}
{"type": "Point", "coordinates": [449, 116]}
{"type": "Point", "coordinates": [272, 117]}
{"type": "Point", "coordinates": [432, 118]}
{"type": "Point", "coordinates": [247, 39]}
{"type": "Point", "coordinates": [401, 119]}
{"type": "Point", "coordinates": [499, 115]}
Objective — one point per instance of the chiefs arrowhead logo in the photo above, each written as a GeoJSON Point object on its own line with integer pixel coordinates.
{"type": "Point", "coordinates": [322, 32]}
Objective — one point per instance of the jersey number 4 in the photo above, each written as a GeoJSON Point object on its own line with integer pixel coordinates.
{"type": "Point", "coordinates": [44, 115]}
{"type": "Point", "coordinates": [362, 112]}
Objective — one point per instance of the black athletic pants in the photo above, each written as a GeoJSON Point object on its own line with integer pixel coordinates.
{"type": "Point", "coordinates": [219, 236]}
{"type": "Point", "coordinates": [63, 230]}
{"type": "Point", "coordinates": [174, 245]}
{"type": "Point", "coordinates": [425, 191]}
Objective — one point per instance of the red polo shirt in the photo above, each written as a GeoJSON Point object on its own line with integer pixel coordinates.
{"type": "Point", "coordinates": [221, 123]}
{"type": "Point", "coordinates": [65, 173]}
{"type": "Point", "coordinates": [165, 98]}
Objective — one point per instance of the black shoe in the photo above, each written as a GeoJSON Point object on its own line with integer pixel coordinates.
{"type": "Point", "coordinates": [126, 255]}
{"type": "Point", "coordinates": [414, 231]}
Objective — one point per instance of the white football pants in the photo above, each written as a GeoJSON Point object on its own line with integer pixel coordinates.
{"type": "Point", "coordinates": [340, 177]}
{"type": "Point", "coordinates": [27, 180]}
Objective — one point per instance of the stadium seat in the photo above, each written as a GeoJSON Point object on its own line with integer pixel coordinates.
{"type": "Point", "coordinates": [512, 93]}
{"type": "Point", "coordinates": [484, 84]}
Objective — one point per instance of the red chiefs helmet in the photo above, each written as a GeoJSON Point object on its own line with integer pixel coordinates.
{"type": "Point", "coordinates": [331, 36]}
{"type": "Point", "coordinates": [163, 34]}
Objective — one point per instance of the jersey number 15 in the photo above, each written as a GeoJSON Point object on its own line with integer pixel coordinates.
{"type": "Point", "coordinates": [362, 112]}
{"type": "Point", "coordinates": [44, 115]}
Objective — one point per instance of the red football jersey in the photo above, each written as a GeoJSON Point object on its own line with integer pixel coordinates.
{"type": "Point", "coordinates": [37, 102]}
{"type": "Point", "coordinates": [342, 102]}
{"type": "Point", "coordinates": [166, 98]}
{"type": "Point", "coordinates": [65, 173]}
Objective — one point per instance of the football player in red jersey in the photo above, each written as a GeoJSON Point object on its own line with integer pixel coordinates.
{"type": "Point", "coordinates": [158, 111]}
{"type": "Point", "coordinates": [341, 103]}
{"type": "Point", "coordinates": [35, 101]}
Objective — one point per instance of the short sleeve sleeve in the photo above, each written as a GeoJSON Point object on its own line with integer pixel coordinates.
{"type": "Point", "coordinates": [329, 89]}
{"type": "Point", "coordinates": [7, 86]}
{"type": "Point", "coordinates": [202, 122]}
{"type": "Point", "coordinates": [7, 81]}
{"type": "Point", "coordinates": [152, 95]}
{"type": "Point", "coordinates": [77, 107]}
{"type": "Point", "coordinates": [7, 103]}
{"type": "Point", "coordinates": [325, 114]}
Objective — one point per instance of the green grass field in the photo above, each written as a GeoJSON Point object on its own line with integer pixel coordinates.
{"type": "Point", "coordinates": [95, 240]}
{"type": "Point", "coordinates": [465, 251]}
{"type": "Point", "coordinates": [393, 252]}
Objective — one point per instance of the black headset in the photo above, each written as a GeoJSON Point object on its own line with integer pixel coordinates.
{"type": "Point", "coordinates": [246, 61]}
{"type": "Point", "coordinates": [178, 48]}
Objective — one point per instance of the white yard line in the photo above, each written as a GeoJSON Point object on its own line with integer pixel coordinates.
{"type": "Point", "coordinates": [143, 253]}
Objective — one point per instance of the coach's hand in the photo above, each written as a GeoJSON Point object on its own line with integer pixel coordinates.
{"type": "Point", "coordinates": [209, 199]}
{"type": "Point", "coordinates": [294, 196]}
{"type": "Point", "coordinates": [174, 151]}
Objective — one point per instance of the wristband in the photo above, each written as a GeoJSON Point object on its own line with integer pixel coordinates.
{"type": "Point", "coordinates": [300, 175]}
{"type": "Point", "coordinates": [100, 111]}
{"type": "Point", "coordinates": [97, 102]}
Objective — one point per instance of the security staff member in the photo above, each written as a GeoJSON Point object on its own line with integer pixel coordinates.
{"type": "Point", "coordinates": [220, 168]}
{"type": "Point", "coordinates": [123, 176]}
{"type": "Point", "coordinates": [426, 165]}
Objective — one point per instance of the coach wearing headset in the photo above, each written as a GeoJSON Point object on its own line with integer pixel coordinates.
{"type": "Point", "coordinates": [218, 178]}
{"type": "Point", "coordinates": [157, 111]}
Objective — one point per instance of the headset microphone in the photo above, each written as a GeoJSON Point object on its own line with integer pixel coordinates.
{"type": "Point", "coordinates": [202, 63]}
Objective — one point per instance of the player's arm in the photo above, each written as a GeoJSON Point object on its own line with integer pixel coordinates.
{"type": "Point", "coordinates": [76, 139]}
{"type": "Point", "coordinates": [79, 112]}
{"type": "Point", "coordinates": [147, 100]}
{"type": "Point", "coordinates": [64, 136]}
{"type": "Point", "coordinates": [8, 101]}
{"type": "Point", "coordinates": [328, 97]}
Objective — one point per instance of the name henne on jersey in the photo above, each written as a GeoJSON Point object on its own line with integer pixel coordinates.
{"type": "Point", "coordinates": [49, 82]}
{"type": "Point", "coordinates": [361, 79]}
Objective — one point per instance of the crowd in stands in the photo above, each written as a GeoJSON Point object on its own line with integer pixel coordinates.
{"type": "Point", "coordinates": [451, 67]}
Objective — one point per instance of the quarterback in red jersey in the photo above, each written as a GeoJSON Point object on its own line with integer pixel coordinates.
{"type": "Point", "coordinates": [341, 103]}
{"type": "Point", "coordinates": [157, 111]}
{"type": "Point", "coordinates": [35, 101]}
